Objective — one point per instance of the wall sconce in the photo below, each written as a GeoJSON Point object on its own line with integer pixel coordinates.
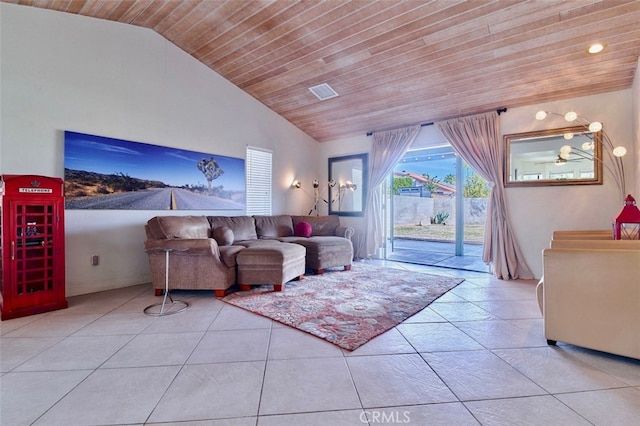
{"type": "Point", "coordinates": [348, 185]}
{"type": "Point", "coordinates": [296, 184]}
{"type": "Point", "coordinates": [342, 187]}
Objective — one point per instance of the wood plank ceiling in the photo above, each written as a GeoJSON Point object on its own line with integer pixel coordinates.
{"type": "Point", "coordinates": [393, 62]}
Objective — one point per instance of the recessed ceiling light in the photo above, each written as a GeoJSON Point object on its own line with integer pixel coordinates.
{"type": "Point", "coordinates": [595, 48]}
{"type": "Point", "coordinates": [323, 91]}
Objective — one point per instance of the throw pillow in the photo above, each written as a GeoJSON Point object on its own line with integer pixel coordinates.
{"type": "Point", "coordinates": [223, 236]}
{"type": "Point", "coordinates": [302, 229]}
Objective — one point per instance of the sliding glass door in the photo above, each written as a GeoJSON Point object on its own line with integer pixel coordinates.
{"type": "Point", "coordinates": [435, 206]}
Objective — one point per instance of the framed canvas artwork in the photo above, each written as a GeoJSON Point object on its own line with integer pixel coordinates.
{"type": "Point", "coordinates": [105, 173]}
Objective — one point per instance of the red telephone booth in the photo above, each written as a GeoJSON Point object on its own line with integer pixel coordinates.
{"type": "Point", "coordinates": [31, 245]}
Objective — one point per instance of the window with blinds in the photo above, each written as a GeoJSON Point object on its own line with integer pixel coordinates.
{"type": "Point", "coordinates": [258, 168]}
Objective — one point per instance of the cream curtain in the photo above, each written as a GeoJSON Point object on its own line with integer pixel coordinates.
{"type": "Point", "coordinates": [477, 140]}
{"type": "Point", "coordinates": [387, 149]}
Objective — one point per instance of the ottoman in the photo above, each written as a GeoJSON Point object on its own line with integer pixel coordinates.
{"type": "Point", "coordinates": [270, 263]}
{"type": "Point", "coordinates": [327, 252]}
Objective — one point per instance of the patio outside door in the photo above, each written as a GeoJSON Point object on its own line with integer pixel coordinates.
{"type": "Point", "coordinates": [435, 210]}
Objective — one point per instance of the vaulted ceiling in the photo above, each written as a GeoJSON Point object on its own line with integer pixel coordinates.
{"type": "Point", "coordinates": [393, 62]}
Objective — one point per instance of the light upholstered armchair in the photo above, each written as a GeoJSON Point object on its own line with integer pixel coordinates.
{"type": "Point", "coordinates": [196, 262]}
{"type": "Point", "coordinates": [590, 293]}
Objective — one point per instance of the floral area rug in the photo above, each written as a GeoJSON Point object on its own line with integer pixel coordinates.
{"type": "Point", "coordinates": [346, 308]}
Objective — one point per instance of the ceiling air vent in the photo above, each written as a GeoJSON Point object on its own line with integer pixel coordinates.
{"type": "Point", "coordinates": [323, 91]}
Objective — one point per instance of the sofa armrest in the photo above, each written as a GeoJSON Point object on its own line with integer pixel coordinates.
{"type": "Point", "coordinates": [587, 271]}
{"type": "Point", "coordinates": [345, 231]}
{"type": "Point", "coordinates": [199, 246]}
{"type": "Point", "coordinates": [591, 298]}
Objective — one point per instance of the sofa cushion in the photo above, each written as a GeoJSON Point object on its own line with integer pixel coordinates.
{"type": "Point", "coordinates": [265, 242]}
{"type": "Point", "coordinates": [243, 227]}
{"type": "Point", "coordinates": [228, 255]}
{"type": "Point", "coordinates": [223, 236]}
{"type": "Point", "coordinates": [274, 226]}
{"type": "Point", "coordinates": [320, 225]}
{"type": "Point", "coordinates": [178, 227]}
{"type": "Point", "coordinates": [302, 229]}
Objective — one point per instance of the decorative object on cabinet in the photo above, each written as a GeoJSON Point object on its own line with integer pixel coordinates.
{"type": "Point", "coordinates": [627, 224]}
{"type": "Point", "coordinates": [31, 245]}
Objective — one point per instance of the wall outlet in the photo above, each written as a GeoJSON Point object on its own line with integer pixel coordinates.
{"type": "Point", "coordinates": [95, 260]}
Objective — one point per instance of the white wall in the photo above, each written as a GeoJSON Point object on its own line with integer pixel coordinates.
{"type": "Point", "coordinates": [536, 212]}
{"type": "Point", "coordinates": [338, 148]}
{"type": "Point", "coordinates": [69, 72]}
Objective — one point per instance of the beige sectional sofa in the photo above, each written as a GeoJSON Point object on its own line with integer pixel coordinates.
{"type": "Point", "coordinates": [204, 250]}
{"type": "Point", "coordinates": [590, 292]}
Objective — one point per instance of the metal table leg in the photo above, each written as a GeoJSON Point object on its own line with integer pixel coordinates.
{"type": "Point", "coordinates": [174, 306]}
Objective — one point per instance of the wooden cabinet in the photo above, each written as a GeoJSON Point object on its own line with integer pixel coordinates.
{"type": "Point", "coordinates": [32, 245]}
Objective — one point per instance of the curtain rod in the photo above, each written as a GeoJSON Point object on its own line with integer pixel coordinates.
{"type": "Point", "coordinates": [499, 111]}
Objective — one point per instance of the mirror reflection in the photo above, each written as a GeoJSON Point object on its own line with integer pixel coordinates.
{"type": "Point", "coordinates": [566, 156]}
{"type": "Point", "coordinates": [348, 184]}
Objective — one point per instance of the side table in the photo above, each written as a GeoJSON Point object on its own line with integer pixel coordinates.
{"type": "Point", "coordinates": [174, 306]}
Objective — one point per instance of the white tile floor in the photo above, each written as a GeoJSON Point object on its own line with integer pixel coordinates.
{"type": "Point", "coordinates": [475, 356]}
